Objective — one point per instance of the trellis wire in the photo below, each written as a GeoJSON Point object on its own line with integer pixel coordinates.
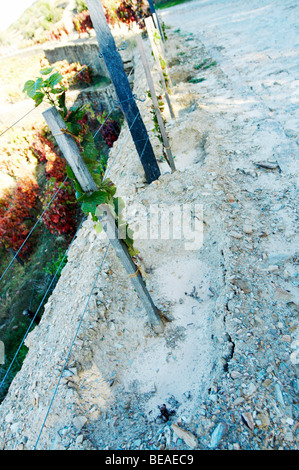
{"type": "Point", "coordinates": [40, 305]}
{"type": "Point", "coordinates": [23, 244]}
{"type": "Point", "coordinates": [35, 107]}
{"type": "Point", "coordinates": [98, 273]}
{"type": "Point", "coordinates": [68, 81]}
{"type": "Point", "coordinates": [72, 344]}
{"type": "Point", "coordinates": [82, 317]}
{"type": "Point", "coordinates": [33, 228]}
{"type": "Point", "coordinates": [60, 263]}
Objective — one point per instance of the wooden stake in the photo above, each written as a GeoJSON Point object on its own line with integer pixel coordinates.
{"type": "Point", "coordinates": [108, 223]}
{"type": "Point", "coordinates": [150, 29]}
{"type": "Point", "coordinates": [155, 102]}
{"type": "Point", "coordinates": [123, 90]}
{"type": "Point", "coordinates": [69, 149]}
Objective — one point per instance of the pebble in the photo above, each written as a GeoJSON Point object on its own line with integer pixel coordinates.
{"type": "Point", "coordinates": [248, 229]}
{"type": "Point", "coordinates": [79, 421]}
{"type": "Point", "coordinates": [236, 235]}
{"type": "Point", "coordinates": [217, 435]}
{"type": "Point", "coordinates": [186, 436]}
{"type": "Point", "coordinates": [278, 394]}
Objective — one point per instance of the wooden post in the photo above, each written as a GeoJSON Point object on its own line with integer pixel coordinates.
{"type": "Point", "coordinates": [155, 102]}
{"type": "Point", "coordinates": [69, 149]}
{"type": "Point", "coordinates": [71, 153]}
{"type": "Point", "coordinates": [122, 87]}
{"type": "Point", "coordinates": [149, 27]}
{"type": "Point", "coordinates": [108, 223]}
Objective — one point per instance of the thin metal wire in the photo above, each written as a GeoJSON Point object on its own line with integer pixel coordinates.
{"type": "Point", "coordinates": [71, 347]}
{"type": "Point", "coordinates": [10, 127]}
{"type": "Point", "coordinates": [82, 317]}
{"type": "Point", "coordinates": [33, 228]}
{"type": "Point", "coordinates": [96, 133]}
{"type": "Point", "coordinates": [40, 305]}
{"type": "Point", "coordinates": [35, 107]}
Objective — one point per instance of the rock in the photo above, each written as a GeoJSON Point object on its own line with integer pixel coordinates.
{"type": "Point", "coordinates": [9, 417]}
{"type": "Point", "coordinates": [272, 268]}
{"type": "Point", "coordinates": [262, 420]}
{"type": "Point", "coordinates": [231, 198]}
{"type": "Point", "coordinates": [175, 187]}
{"type": "Point", "coordinates": [236, 235]}
{"type": "Point", "coordinates": [247, 229]}
{"type": "Point", "coordinates": [282, 294]}
{"type": "Point", "coordinates": [238, 401]}
{"type": "Point", "coordinates": [186, 436]}
{"type": "Point", "coordinates": [278, 395]}
{"type": "Point", "coordinates": [267, 165]}
{"type": "Point", "coordinates": [79, 439]}
{"type": "Point", "coordinates": [251, 390]}
{"type": "Point", "coordinates": [79, 421]}
{"type": "Point", "coordinates": [248, 420]}
{"type": "Point", "coordinates": [217, 435]}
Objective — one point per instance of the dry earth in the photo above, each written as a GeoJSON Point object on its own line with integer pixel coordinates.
{"type": "Point", "coordinates": [226, 364]}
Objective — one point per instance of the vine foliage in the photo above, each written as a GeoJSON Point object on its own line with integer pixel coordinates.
{"type": "Point", "coordinates": [48, 87]}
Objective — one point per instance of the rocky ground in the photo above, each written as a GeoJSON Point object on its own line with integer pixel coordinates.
{"type": "Point", "coordinates": [225, 366]}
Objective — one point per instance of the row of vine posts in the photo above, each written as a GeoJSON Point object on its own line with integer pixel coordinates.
{"type": "Point", "coordinates": [68, 146]}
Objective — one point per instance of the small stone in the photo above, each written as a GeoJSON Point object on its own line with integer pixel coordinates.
{"type": "Point", "coordinates": [242, 284]}
{"type": "Point", "coordinates": [289, 436]}
{"type": "Point", "coordinates": [251, 390]}
{"type": "Point", "coordinates": [263, 419]}
{"type": "Point", "coordinates": [238, 401]}
{"type": "Point", "coordinates": [186, 436]}
{"type": "Point", "coordinates": [267, 383]}
{"type": "Point", "coordinates": [9, 417]}
{"type": "Point", "coordinates": [286, 338]}
{"type": "Point", "coordinates": [217, 435]}
{"type": "Point", "coordinates": [175, 187]}
{"type": "Point", "coordinates": [248, 420]}
{"type": "Point", "coordinates": [234, 374]}
{"type": "Point", "coordinates": [272, 268]}
{"type": "Point", "coordinates": [247, 229]}
{"type": "Point", "coordinates": [79, 439]}
{"type": "Point", "coordinates": [137, 443]}
{"type": "Point", "coordinates": [278, 394]}
{"type": "Point", "coordinates": [79, 422]}
{"type": "Point", "coordinates": [236, 235]}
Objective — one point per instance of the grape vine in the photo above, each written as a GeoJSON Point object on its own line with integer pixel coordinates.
{"type": "Point", "coordinates": [49, 87]}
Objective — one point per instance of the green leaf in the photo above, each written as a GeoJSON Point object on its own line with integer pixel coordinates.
{"type": "Point", "coordinates": [91, 202]}
{"type": "Point", "coordinates": [70, 173]}
{"type": "Point", "coordinates": [46, 70]}
{"type": "Point", "coordinates": [38, 98]}
{"type": "Point", "coordinates": [28, 87]}
{"type": "Point", "coordinates": [90, 150]}
{"type": "Point", "coordinates": [88, 207]}
{"type": "Point", "coordinates": [119, 205]}
{"type": "Point", "coordinates": [32, 87]}
{"type": "Point", "coordinates": [54, 79]}
{"type": "Point", "coordinates": [38, 84]}
{"type": "Point", "coordinates": [98, 227]}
